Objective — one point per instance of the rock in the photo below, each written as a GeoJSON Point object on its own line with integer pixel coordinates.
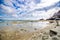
{"type": "Point", "coordinates": [45, 37]}
{"type": "Point", "coordinates": [55, 38]}
{"type": "Point", "coordinates": [55, 16]}
{"type": "Point", "coordinates": [0, 37]}
{"type": "Point", "coordinates": [51, 21]}
{"type": "Point", "coordinates": [53, 33]}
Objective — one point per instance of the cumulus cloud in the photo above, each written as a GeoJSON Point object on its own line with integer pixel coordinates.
{"type": "Point", "coordinates": [29, 9]}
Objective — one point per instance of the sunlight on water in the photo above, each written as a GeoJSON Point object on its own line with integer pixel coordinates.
{"type": "Point", "coordinates": [28, 25]}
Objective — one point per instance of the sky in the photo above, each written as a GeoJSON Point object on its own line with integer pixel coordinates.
{"type": "Point", "coordinates": [28, 9]}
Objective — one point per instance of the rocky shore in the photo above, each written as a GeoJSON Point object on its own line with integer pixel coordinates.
{"type": "Point", "coordinates": [51, 32]}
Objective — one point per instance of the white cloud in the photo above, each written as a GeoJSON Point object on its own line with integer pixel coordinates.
{"type": "Point", "coordinates": [27, 10]}
{"type": "Point", "coordinates": [45, 15]}
{"type": "Point", "coordinates": [8, 9]}
{"type": "Point", "coordinates": [45, 3]}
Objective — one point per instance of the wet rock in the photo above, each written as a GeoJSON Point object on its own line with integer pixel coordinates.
{"type": "Point", "coordinates": [52, 33]}
{"type": "Point", "coordinates": [45, 37]}
{"type": "Point", "coordinates": [55, 38]}
{"type": "Point", "coordinates": [51, 22]}
{"type": "Point", "coordinates": [35, 28]}
{"type": "Point", "coordinates": [0, 37]}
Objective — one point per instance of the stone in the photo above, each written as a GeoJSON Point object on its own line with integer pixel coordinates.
{"type": "Point", "coordinates": [52, 33]}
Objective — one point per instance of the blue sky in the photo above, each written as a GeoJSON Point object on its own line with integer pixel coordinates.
{"type": "Point", "coordinates": [28, 9]}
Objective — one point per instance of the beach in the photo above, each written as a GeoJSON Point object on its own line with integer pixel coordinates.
{"type": "Point", "coordinates": [29, 30]}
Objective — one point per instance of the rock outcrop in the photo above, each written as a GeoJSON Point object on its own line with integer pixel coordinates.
{"type": "Point", "coordinates": [55, 16]}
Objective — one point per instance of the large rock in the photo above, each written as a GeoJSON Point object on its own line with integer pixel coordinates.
{"type": "Point", "coordinates": [55, 16]}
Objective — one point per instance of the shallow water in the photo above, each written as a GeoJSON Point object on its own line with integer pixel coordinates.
{"type": "Point", "coordinates": [28, 25]}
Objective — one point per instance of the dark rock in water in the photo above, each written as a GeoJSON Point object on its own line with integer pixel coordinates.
{"type": "Point", "coordinates": [1, 20]}
{"type": "Point", "coordinates": [52, 33]}
{"type": "Point", "coordinates": [51, 19]}
{"type": "Point", "coordinates": [51, 22]}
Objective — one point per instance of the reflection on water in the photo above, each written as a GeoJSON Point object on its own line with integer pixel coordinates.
{"type": "Point", "coordinates": [28, 25]}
